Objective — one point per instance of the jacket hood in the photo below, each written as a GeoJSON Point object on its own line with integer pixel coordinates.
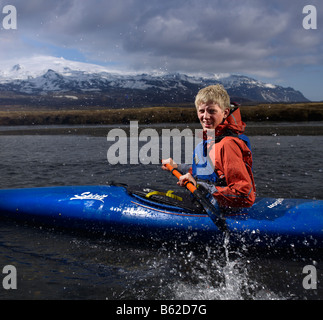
{"type": "Point", "coordinates": [233, 122]}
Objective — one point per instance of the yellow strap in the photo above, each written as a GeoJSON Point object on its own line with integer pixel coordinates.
{"type": "Point", "coordinates": [148, 195]}
{"type": "Point", "coordinates": [169, 194]}
{"type": "Point", "coordinates": [173, 196]}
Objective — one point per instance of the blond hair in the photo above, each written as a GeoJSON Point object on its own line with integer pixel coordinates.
{"type": "Point", "coordinates": [215, 94]}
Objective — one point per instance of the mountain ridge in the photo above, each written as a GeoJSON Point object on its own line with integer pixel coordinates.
{"type": "Point", "coordinates": [48, 76]}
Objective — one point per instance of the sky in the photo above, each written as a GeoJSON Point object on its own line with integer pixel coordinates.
{"type": "Point", "coordinates": [262, 39]}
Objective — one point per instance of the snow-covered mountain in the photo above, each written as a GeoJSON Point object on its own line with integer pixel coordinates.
{"type": "Point", "coordinates": [49, 75]}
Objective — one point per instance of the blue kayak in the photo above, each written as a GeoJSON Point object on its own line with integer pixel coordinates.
{"type": "Point", "coordinates": [117, 210]}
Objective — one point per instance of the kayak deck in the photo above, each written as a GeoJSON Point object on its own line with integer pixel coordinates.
{"type": "Point", "coordinates": [117, 209]}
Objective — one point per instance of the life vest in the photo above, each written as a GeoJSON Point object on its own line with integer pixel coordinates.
{"type": "Point", "coordinates": [203, 168]}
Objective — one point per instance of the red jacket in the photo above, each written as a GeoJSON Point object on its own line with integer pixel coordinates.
{"type": "Point", "coordinates": [232, 160]}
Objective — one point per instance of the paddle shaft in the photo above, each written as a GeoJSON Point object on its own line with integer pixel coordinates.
{"type": "Point", "coordinates": [189, 185]}
{"type": "Point", "coordinates": [207, 205]}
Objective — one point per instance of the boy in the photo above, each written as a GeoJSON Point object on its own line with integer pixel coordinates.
{"type": "Point", "coordinates": [222, 162]}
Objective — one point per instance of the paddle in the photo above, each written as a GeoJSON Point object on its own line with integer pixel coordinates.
{"type": "Point", "coordinates": [203, 199]}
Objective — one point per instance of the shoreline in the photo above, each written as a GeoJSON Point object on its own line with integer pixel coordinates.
{"type": "Point", "coordinates": [261, 113]}
{"type": "Point", "coordinates": [262, 119]}
{"type": "Point", "coordinates": [314, 128]}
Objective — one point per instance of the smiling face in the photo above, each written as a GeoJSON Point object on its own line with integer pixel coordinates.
{"type": "Point", "coordinates": [212, 105]}
{"type": "Point", "coordinates": [211, 115]}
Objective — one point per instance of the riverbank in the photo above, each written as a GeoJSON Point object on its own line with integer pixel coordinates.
{"type": "Point", "coordinates": [313, 128]}
{"type": "Point", "coordinates": [301, 112]}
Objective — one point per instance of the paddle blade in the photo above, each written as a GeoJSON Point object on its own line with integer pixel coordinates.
{"type": "Point", "coordinates": [212, 212]}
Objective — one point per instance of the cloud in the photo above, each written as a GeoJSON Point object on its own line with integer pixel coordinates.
{"type": "Point", "coordinates": [256, 37]}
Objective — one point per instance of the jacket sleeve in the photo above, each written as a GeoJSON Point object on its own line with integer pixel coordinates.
{"type": "Point", "coordinates": [231, 162]}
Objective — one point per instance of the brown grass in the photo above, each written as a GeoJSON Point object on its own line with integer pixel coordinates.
{"type": "Point", "coordinates": [284, 112]}
{"type": "Point", "coordinates": [262, 112]}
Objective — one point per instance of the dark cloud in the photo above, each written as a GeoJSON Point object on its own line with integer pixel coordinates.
{"type": "Point", "coordinates": [253, 36]}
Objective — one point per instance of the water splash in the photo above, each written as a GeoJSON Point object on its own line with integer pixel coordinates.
{"type": "Point", "coordinates": [220, 274]}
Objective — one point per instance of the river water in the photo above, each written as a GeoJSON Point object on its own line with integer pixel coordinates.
{"type": "Point", "coordinates": [59, 264]}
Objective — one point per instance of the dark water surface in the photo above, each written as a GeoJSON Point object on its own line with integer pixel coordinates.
{"type": "Point", "coordinates": [56, 264]}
